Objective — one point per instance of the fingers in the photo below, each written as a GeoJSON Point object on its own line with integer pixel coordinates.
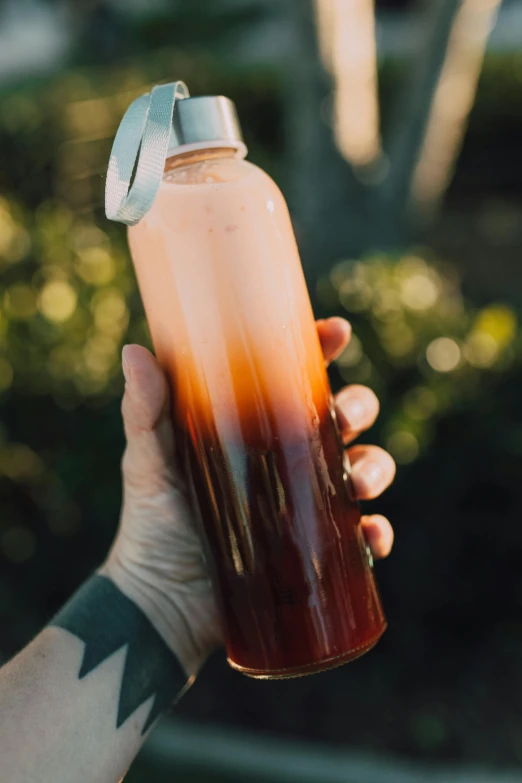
{"type": "Point", "coordinates": [357, 408]}
{"type": "Point", "coordinates": [334, 335]}
{"type": "Point", "coordinates": [145, 399]}
{"type": "Point", "coordinates": [372, 468]}
{"type": "Point", "coordinates": [149, 455]}
{"type": "Point", "coordinates": [372, 471]}
{"type": "Point", "coordinates": [379, 535]}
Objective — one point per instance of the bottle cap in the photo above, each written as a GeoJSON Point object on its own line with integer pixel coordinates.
{"type": "Point", "coordinates": [205, 118]}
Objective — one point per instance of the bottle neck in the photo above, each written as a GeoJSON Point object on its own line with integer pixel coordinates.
{"type": "Point", "coordinates": [198, 155]}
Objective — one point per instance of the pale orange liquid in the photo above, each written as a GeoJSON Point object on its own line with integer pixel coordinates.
{"type": "Point", "coordinates": [231, 320]}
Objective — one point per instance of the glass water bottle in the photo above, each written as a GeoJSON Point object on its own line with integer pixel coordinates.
{"type": "Point", "coordinates": [232, 325]}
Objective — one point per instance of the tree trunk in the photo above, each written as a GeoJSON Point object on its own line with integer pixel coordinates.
{"type": "Point", "coordinates": [326, 199]}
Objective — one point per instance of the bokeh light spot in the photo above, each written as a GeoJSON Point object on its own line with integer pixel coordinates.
{"type": "Point", "coordinates": [481, 349]}
{"type": "Point", "coordinates": [387, 305]}
{"type": "Point", "coordinates": [419, 292]}
{"type": "Point", "coordinates": [100, 355]}
{"type": "Point", "coordinates": [58, 301]}
{"type": "Point", "coordinates": [96, 266]}
{"type": "Point", "coordinates": [355, 295]}
{"type": "Point", "coordinates": [18, 461]}
{"type": "Point", "coordinates": [110, 311]}
{"type": "Point", "coordinates": [14, 238]}
{"type": "Point", "coordinates": [443, 354]}
{"type": "Point", "coordinates": [499, 321]}
{"type": "Point", "coordinates": [403, 446]}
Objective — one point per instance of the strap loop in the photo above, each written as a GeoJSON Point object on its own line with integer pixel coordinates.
{"type": "Point", "coordinates": [142, 140]}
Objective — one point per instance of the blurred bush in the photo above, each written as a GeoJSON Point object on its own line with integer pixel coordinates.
{"type": "Point", "coordinates": [417, 341]}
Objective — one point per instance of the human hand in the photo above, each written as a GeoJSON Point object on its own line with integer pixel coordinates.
{"type": "Point", "coordinates": [156, 559]}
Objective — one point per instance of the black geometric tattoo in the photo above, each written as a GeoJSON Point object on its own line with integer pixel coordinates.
{"type": "Point", "coordinates": [106, 621]}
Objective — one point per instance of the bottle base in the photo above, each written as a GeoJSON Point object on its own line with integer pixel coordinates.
{"type": "Point", "coordinates": [310, 668]}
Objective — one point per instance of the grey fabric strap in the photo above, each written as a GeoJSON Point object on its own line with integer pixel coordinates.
{"type": "Point", "coordinates": [140, 145]}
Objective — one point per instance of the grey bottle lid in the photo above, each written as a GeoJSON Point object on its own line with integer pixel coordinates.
{"type": "Point", "coordinates": [205, 121]}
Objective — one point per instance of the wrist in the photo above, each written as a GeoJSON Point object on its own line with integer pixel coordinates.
{"type": "Point", "coordinates": [170, 612]}
{"type": "Point", "coordinates": [107, 622]}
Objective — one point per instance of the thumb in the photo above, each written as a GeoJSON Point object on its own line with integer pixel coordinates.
{"type": "Point", "coordinates": [148, 462]}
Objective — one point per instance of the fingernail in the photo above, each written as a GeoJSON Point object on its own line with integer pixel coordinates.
{"type": "Point", "coordinates": [342, 322]}
{"type": "Point", "coordinates": [369, 474]}
{"type": "Point", "coordinates": [353, 411]}
{"type": "Point", "coordinates": [125, 365]}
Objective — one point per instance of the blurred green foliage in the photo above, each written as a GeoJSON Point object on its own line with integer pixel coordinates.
{"type": "Point", "coordinates": [417, 341]}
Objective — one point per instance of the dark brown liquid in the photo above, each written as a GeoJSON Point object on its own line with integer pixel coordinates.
{"type": "Point", "coordinates": [285, 548]}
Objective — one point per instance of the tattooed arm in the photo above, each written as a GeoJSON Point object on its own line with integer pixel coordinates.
{"type": "Point", "coordinates": [75, 705]}
{"type": "Point", "coordinates": [77, 702]}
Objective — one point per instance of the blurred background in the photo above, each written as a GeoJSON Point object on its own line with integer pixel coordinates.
{"type": "Point", "coordinates": [394, 131]}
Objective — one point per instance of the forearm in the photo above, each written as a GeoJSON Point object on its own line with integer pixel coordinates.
{"type": "Point", "coordinates": [75, 705]}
